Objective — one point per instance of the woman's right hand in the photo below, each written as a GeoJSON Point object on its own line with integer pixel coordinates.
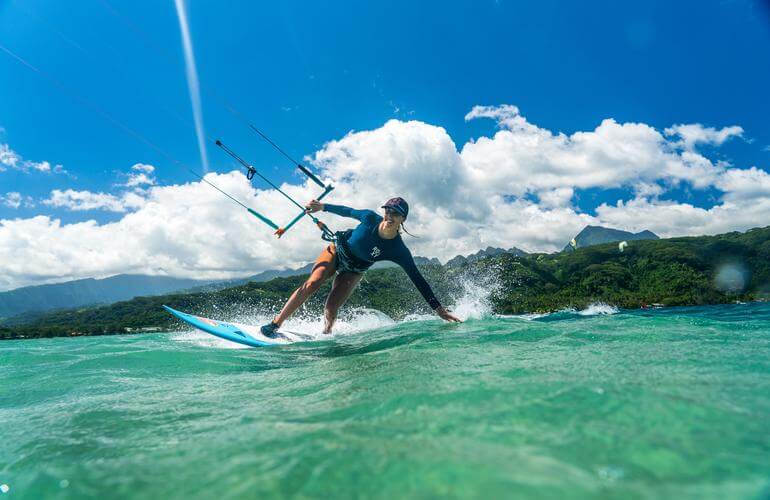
{"type": "Point", "coordinates": [446, 315]}
{"type": "Point", "coordinates": [314, 206]}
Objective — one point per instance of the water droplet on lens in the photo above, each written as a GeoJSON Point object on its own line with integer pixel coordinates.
{"type": "Point", "coordinates": [732, 277]}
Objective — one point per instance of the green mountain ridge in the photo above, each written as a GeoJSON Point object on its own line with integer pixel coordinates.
{"type": "Point", "coordinates": [672, 272]}
{"type": "Point", "coordinates": [88, 291]}
{"type": "Point", "coordinates": [461, 260]}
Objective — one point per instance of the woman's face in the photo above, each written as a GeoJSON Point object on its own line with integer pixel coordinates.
{"type": "Point", "coordinates": [393, 218]}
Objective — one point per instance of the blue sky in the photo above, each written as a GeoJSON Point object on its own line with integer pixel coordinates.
{"type": "Point", "coordinates": [310, 72]}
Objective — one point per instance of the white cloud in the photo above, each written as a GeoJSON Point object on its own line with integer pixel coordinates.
{"type": "Point", "coordinates": [139, 178]}
{"type": "Point", "coordinates": [71, 199]}
{"type": "Point", "coordinates": [141, 175]}
{"type": "Point", "coordinates": [11, 199]}
{"type": "Point", "coordinates": [669, 219]}
{"type": "Point", "coordinates": [558, 197]}
{"type": "Point", "coordinates": [183, 230]}
{"type": "Point", "coordinates": [744, 185]}
{"type": "Point", "coordinates": [506, 116]}
{"type": "Point", "coordinates": [15, 200]}
{"type": "Point", "coordinates": [512, 189]}
{"type": "Point", "coordinates": [13, 160]}
{"type": "Point", "coordinates": [523, 158]}
{"type": "Point", "coordinates": [648, 189]}
{"type": "Point", "coordinates": [143, 167]}
{"type": "Point", "coordinates": [694, 133]}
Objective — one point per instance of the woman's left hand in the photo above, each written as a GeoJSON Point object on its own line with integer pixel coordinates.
{"type": "Point", "coordinates": [314, 206]}
{"type": "Point", "coordinates": [446, 315]}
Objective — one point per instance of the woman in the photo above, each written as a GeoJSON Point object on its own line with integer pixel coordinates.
{"type": "Point", "coordinates": [375, 238]}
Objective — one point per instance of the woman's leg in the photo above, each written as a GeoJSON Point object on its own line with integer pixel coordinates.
{"type": "Point", "coordinates": [323, 269]}
{"type": "Point", "coordinates": [343, 286]}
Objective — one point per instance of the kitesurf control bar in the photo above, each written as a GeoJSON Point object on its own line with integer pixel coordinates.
{"type": "Point", "coordinates": [251, 172]}
{"type": "Point", "coordinates": [327, 190]}
{"type": "Point", "coordinates": [262, 218]}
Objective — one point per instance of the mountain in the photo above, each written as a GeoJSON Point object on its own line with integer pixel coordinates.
{"type": "Point", "coordinates": [257, 278]}
{"type": "Point", "coordinates": [481, 254]}
{"type": "Point", "coordinates": [596, 235]}
{"type": "Point", "coordinates": [425, 261]}
{"type": "Point", "coordinates": [420, 261]}
{"type": "Point", "coordinates": [270, 274]}
{"type": "Point", "coordinates": [88, 291]}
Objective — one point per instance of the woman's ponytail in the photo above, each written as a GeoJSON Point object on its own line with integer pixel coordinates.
{"type": "Point", "coordinates": [403, 226]}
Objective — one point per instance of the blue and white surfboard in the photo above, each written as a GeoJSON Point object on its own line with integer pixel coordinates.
{"type": "Point", "coordinates": [242, 334]}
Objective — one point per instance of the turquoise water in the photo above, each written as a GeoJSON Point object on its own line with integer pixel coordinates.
{"type": "Point", "coordinates": [645, 404]}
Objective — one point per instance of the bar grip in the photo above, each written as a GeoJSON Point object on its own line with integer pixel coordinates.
{"type": "Point", "coordinates": [311, 175]}
{"type": "Point", "coordinates": [262, 218]}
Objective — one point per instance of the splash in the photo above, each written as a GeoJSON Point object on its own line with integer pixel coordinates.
{"type": "Point", "coordinates": [476, 292]}
{"type": "Point", "coordinates": [598, 308]}
{"type": "Point", "coordinates": [350, 322]}
{"type": "Point", "coordinates": [193, 86]}
{"type": "Point", "coordinates": [475, 301]}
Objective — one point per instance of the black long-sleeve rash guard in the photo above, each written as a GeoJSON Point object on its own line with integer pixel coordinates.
{"type": "Point", "coordinates": [366, 245]}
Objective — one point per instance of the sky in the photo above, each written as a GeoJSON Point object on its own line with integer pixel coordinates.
{"type": "Point", "coordinates": [502, 123]}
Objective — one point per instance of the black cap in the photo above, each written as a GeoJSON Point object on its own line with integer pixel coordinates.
{"type": "Point", "coordinates": [398, 204]}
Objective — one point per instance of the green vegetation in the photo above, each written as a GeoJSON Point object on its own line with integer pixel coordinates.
{"type": "Point", "coordinates": [672, 272]}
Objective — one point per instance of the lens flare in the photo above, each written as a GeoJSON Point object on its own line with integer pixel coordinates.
{"type": "Point", "coordinates": [731, 277]}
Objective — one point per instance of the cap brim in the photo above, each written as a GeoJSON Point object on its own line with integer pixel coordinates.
{"type": "Point", "coordinates": [394, 208]}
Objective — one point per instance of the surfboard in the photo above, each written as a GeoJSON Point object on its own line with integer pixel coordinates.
{"type": "Point", "coordinates": [234, 332]}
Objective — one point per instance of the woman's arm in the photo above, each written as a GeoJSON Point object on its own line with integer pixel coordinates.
{"type": "Point", "coordinates": [407, 263]}
{"type": "Point", "coordinates": [341, 210]}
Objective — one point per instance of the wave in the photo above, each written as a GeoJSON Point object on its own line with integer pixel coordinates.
{"type": "Point", "coordinates": [595, 309]}
{"type": "Point", "coordinates": [598, 308]}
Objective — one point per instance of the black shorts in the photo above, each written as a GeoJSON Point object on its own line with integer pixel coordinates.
{"type": "Point", "coordinates": [345, 261]}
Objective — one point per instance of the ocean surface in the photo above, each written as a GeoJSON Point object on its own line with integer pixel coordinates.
{"type": "Point", "coordinates": [668, 403]}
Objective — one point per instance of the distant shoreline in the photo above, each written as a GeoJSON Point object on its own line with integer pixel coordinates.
{"type": "Point", "coordinates": [690, 271]}
{"type": "Point", "coordinates": [151, 329]}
